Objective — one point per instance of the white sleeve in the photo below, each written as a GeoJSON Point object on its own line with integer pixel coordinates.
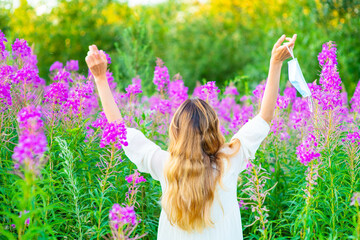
{"type": "Point", "coordinates": [251, 136]}
{"type": "Point", "coordinates": [145, 154]}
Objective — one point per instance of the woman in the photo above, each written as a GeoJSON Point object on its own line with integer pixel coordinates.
{"type": "Point", "coordinates": [198, 173]}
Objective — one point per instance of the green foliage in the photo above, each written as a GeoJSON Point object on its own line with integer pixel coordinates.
{"type": "Point", "coordinates": [73, 195]}
{"type": "Point", "coordinates": [215, 41]}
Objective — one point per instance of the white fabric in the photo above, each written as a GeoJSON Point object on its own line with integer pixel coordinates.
{"type": "Point", "coordinates": [149, 158]}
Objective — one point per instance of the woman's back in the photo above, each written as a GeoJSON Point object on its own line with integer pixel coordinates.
{"type": "Point", "coordinates": [225, 211]}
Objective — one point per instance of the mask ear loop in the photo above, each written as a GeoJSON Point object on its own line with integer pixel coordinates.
{"type": "Point", "coordinates": [291, 53]}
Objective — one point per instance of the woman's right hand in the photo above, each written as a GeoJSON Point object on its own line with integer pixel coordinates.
{"type": "Point", "coordinates": [96, 61]}
{"type": "Point", "coordinates": [280, 52]}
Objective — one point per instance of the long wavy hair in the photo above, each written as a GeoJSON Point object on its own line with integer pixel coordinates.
{"type": "Point", "coordinates": [195, 166]}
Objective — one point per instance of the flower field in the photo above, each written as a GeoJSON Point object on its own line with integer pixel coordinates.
{"type": "Point", "coordinates": [63, 173]}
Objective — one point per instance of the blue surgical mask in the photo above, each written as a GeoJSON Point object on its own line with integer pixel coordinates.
{"type": "Point", "coordinates": [296, 77]}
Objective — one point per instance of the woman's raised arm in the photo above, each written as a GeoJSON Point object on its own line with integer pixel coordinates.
{"type": "Point", "coordinates": [97, 63]}
{"type": "Point", "coordinates": [278, 55]}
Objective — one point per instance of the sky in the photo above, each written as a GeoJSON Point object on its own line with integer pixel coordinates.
{"type": "Point", "coordinates": [45, 6]}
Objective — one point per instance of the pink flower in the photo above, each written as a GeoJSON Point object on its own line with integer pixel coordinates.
{"type": "Point", "coordinates": [120, 216]}
{"type": "Point", "coordinates": [307, 150]}
{"type": "Point", "coordinates": [161, 75]}
{"type": "Point", "coordinates": [135, 177]}
{"type": "Point", "coordinates": [114, 132]}
{"type": "Point", "coordinates": [56, 66]}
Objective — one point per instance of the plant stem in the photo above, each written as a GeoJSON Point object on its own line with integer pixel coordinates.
{"type": "Point", "coordinates": [259, 202]}
{"type": "Point", "coordinates": [103, 186]}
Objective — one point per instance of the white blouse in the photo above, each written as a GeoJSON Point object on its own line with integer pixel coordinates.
{"type": "Point", "coordinates": [150, 158]}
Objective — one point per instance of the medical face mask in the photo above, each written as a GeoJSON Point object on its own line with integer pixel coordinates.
{"type": "Point", "coordinates": [296, 77]}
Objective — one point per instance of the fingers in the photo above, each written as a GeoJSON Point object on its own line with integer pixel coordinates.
{"type": "Point", "coordinates": [90, 58]}
{"type": "Point", "coordinates": [97, 55]}
{"type": "Point", "coordinates": [102, 55]}
{"type": "Point", "coordinates": [294, 37]}
{"type": "Point", "coordinates": [291, 42]}
{"type": "Point", "coordinates": [93, 48]}
{"type": "Point", "coordinates": [279, 41]}
{"type": "Point", "coordinates": [94, 52]}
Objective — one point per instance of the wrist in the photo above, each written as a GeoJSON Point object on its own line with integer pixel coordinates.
{"type": "Point", "coordinates": [100, 78]}
{"type": "Point", "coordinates": [275, 63]}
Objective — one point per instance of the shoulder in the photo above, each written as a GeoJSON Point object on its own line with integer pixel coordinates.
{"type": "Point", "coordinates": [231, 148]}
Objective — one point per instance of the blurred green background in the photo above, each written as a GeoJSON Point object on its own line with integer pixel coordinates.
{"type": "Point", "coordinates": [214, 40]}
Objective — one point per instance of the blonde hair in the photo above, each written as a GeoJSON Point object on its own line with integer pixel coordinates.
{"type": "Point", "coordinates": [195, 166]}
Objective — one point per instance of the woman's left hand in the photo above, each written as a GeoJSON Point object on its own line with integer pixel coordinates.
{"type": "Point", "coordinates": [280, 52]}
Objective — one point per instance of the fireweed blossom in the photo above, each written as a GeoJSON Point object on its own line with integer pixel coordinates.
{"type": "Point", "coordinates": [161, 75]}
{"type": "Point", "coordinates": [290, 93]}
{"type": "Point", "coordinates": [5, 95]}
{"type": "Point", "coordinates": [329, 78]}
{"type": "Point", "coordinates": [90, 106]}
{"type": "Point", "coordinates": [306, 151]}
{"type": "Point", "coordinates": [99, 123]}
{"type": "Point", "coordinates": [134, 88]}
{"type": "Point", "coordinates": [114, 132]}
{"type": "Point", "coordinates": [30, 117]}
{"type": "Point", "coordinates": [241, 118]}
{"type": "Point", "coordinates": [6, 72]}
{"type": "Point", "coordinates": [315, 90]}
{"type": "Point", "coordinates": [300, 114]}
{"type": "Point", "coordinates": [353, 138]}
{"type": "Point", "coordinates": [20, 49]}
{"type": "Point", "coordinates": [160, 112]}
{"type": "Point", "coordinates": [135, 177]}
{"type": "Point", "coordinates": [27, 75]}
{"type": "Point", "coordinates": [56, 66]}
{"type": "Point", "coordinates": [177, 92]}
{"type": "Point", "coordinates": [63, 76]}
{"type": "Point", "coordinates": [119, 216]}
{"type": "Point", "coordinates": [226, 107]}
{"type": "Point", "coordinates": [259, 91]}
{"type": "Point", "coordinates": [162, 106]}
{"type": "Point", "coordinates": [278, 128]}
{"type": "Point", "coordinates": [3, 40]}
{"type": "Point", "coordinates": [231, 90]}
{"type": "Point", "coordinates": [209, 93]}
{"type": "Point", "coordinates": [57, 93]}
{"type": "Point", "coordinates": [78, 95]}
{"type": "Point", "coordinates": [32, 140]}
{"type": "Point", "coordinates": [30, 149]}
{"type": "Point", "coordinates": [282, 102]}
{"type": "Point", "coordinates": [31, 61]}
{"type": "Point", "coordinates": [355, 100]}
{"type": "Point", "coordinates": [72, 66]}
